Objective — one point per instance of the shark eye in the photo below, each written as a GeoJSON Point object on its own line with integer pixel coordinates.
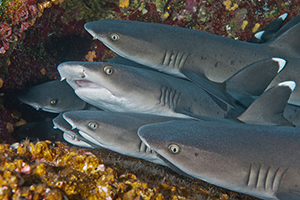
{"type": "Point", "coordinates": [174, 148]}
{"type": "Point", "coordinates": [53, 102]}
{"type": "Point", "coordinates": [109, 70]}
{"type": "Point", "coordinates": [114, 37]}
{"type": "Point", "coordinates": [93, 125]}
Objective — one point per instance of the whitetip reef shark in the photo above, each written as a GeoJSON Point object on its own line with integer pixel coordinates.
{"type": "Point", "coordinates": [261, 161]}
{"type": "Point", "coordinates": [200, 57]}
{"type": "Point", "coordinates": [70, 135]}
{"type": "Point", "coordinates": [115, 131]}
{"type": "Point", "coordinates": [121, 88]}
{"type": "Point", "coordinates": [53, 96]}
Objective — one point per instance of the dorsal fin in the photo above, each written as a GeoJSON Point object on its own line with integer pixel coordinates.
{"type": "Point", "coordinates": [269, 31]}
{"type": "Point", "coordinates": [269, 107]}
{"type": "Point", "coordinates": [255, 78]}
{"type": "Point", "coordinates": [288, 41]}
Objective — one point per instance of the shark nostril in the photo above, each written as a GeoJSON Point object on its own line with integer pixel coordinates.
{"type": "Point", "coordinates": [82, 74]}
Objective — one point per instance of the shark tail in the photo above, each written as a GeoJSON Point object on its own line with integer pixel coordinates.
{"type": "Point", "coordinates": [269, 107]}
{"type": "Point", "coordinates": [288, 26]}
{"type": "Point", "coordinates": [287, 40]}
{"type": "Point", "coordinates": [270, 31]}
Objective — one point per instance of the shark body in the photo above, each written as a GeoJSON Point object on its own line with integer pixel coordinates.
{"type": "Point", "coordinates": [262, 161]}
{"type": "Point", "coordinates": [200, 57]}
{"type": "Point", "coordinates": [121, 88]}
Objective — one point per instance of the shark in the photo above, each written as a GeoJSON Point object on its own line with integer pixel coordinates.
{"type": "Point", "coordinates": [70, 135]}
{"type": "Point", "coordinates": [257, 160]}
{"type": "Point", "coordinates": [120, 88]}
{"type": "Point", "coordinates": [53, 96]}
{"type": "Point", "coordinates": [116, 131]}
{"type": "Point", "coordinates": [205, 59]}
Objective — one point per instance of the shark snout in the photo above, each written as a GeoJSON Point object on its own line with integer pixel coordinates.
{"type": "Point", "coordinates": [91, 29]}
{"type": "Point", "coordinates": [71, 71]}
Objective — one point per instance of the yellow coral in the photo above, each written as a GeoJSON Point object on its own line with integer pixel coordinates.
{"type": "Point", "coordinates": [229, 5]}
{"type": "Point", "coordinates": [90, 56]}
{"type": "Point", "coordinates": [245, 23]}
{"type": "Point", "coordinates": [123, 3]}
{"type": "Point", "coordinates": [1, 82]}
{"type": "Point", "coordinates": [165, 15]}
{"type": "Point", "coordinates": [255, 28]}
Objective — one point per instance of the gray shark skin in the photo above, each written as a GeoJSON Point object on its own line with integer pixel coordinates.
{"type": "Point", "coordinates": [70, 135]}
{"type": "Point", "coordinates": [292, 113]}
{"type": "Point", "coordinates": [120, 60]}
{"type": "Point", "coordinates": [196, 55]}
{"type": "Point", "coordinates": [121, 88]}
{"type": "Point", "coordinates": [262, 161]}
{"type": "Point", "coordinates": [116, 131]}
{"type": "Point", "coordinates": [252, 80]}
{"type": "Point", "coordinates": [53, 96]}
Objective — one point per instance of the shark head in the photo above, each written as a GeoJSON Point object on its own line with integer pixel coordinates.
{"type": "Point", "coordinates": [115, 87]}
{"type": "Point", "coordinates": [132, 39]}
{"type": "Point", "coordinates": [53, 96]}
{"type": "Point", "coordinates": [77, 142]}
{"type": "Point", "coordinates": [111, 130]}
{"type": "Point", "coordinates": [115, 131]}
{"type": "Point", "coordinates": [189, 146]}
{"type": "Point", "coordinates": [70, 135]}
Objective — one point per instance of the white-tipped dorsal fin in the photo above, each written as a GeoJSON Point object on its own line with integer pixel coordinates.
{"type": "Point", "coordinates": [283, 16]}
{"type": "Point", "coordinates": [259, 34]}
{"type": "Point", "coordinates": [291, 84]}
{"type": "Point", "coordinates": [281, 63]}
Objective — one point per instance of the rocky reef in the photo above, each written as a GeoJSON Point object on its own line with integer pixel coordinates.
{"type": "Point", "coordinates": [37, 35]}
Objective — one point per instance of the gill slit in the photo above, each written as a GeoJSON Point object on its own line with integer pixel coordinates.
{"type": "Point", "coordinates": [266, 178]}
{"type": "Point", "coordinates": [258, 177]}
{"type": "Point", "coordinates": [169, 97]}
{"type": "Point", "coordinates": [174, 59]}
{"type": "Point", "coordinates": [144, 148]}
{"type": "Point", "coordinates": [277, 178]}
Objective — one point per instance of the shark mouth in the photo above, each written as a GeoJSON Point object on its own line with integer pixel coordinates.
{"type": "Point", "coordinates": [84, 83]}
{"type": "Point", "coordinates": [89, 138]}
{"type": "Point", "coordinates": [75, 141]}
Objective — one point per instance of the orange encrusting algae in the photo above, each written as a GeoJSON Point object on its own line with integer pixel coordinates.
{"type": "Point", "coordinates": [55, 171]}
